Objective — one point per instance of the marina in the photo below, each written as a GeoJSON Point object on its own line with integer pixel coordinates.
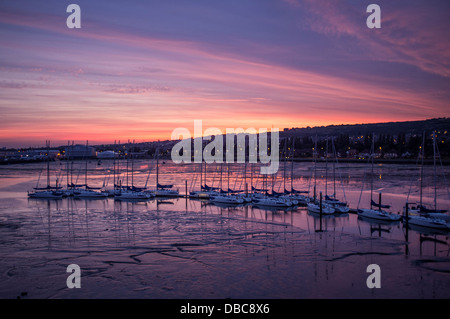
{"type": "Point", "coordinates": [225, 150]}
{"type": "Point", "coordinates": [192, 246]}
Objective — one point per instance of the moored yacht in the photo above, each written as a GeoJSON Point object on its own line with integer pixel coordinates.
{"type": "Point", "coordinates": [315, 208]}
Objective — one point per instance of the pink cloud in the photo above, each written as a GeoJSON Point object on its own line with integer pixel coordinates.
{"type": "Point", "coordinates": [148, 85]}
{"type": "Point", "coordinates": [412, 35]}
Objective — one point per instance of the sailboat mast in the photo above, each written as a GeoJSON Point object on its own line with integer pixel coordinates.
{"type": "Point", "coordinates": [221, 168]}
{"type": "Point", "coordinates": [326, 168]}
{"type": "Point", "coordinates": [114, 166]}
{"type": "Point", "coordinates": [128, 155]}
{"type": "Point", "coordinates": [132, 168]}
{"type": "Point", "coordinates": [251, 177]}
{"type": "Point", "coordinates": [273, 182]}
{"type": "Point", "coordinates": [71, 163]}
{"type": "Point", "coordinates": [48, 162]}
{"type": "Point", "coordinates": [315, 167]}
{"type": "Point", "coordinates": [228, 177]}
{"type": "Point", "coordinates": [435, 174]}
{"type": "Point", "coordinates": [157, 168]}
{"type": "Point", "coordinates": [245, 175]}
{"type": "Point", "coordinates": [67, 164]}
{"type": "Point", "coordinates": [284, 167]}
{"type": "Point", "coordinates": [292, 165]}
{"type": "Point", "coordinates": [206, 172]}
{"type": "Point", "coordinates": [201, 175]}
{"type": "Point", "coordinates": [372, 151]}
{"type": "Point", "coordinates": [421, 169]}
{"type": "Point", "coordinates": [86, 166]}
{"type": "Point", "coordinates": [334, 166]}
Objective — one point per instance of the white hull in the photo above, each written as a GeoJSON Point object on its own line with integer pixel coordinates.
{"type": "Point", "coordinates": [429, 222]}
{"type": "Point", "coordinates": [274, 202]}
{"type": "Point", "coordinates": [89, 194]}
{"type": "Point", "coordinates": [112, 192]}
{"type": "Point", "coordinates": [246, 198]}
{"type": "Point", "coordinates": [70, 192]}
{"type": "Point", "coordinates": [46, 195]}
{"type": "Point", "coordinates": [258, 196]}
{"type": "Point", "coordinates": [442, 216]}
{"type": "Point", "coordinates": [412, 211]}
{"type": "Point", "coordinates": [129, 195]}
{"type": "Point", "coordinates": [227, 199]}
{"type": "Point", "coordinates": [290, 198]}
{"type": "Point", "coordinates": [166, 192]}
{"type": "Point", "coordinates": [301, 199]}
{"type": "Point", "coordinates": [315, 208]}
{"type": "Point", "coordinates": [415, 211]}
{"type": "Point", "coordinates": [377, 214]}
{"type": "Point", "coordinates": [199, 194]}
{"type": "Point", "coordinates": [340, 209]}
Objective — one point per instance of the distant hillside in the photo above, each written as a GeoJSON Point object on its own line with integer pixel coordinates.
{"type": "Point", "coordinates": [393, 128]}
{"type": "Point", "coordinates": [393, 141]}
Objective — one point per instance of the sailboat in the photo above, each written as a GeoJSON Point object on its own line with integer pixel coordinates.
{"type": "Point", "coordinates": [299, 196]}
{"type": "Point", "coordinates": [163, 190]}
{"type": "Point", "coordinates": [116, 189]}
{"type": "Point", "coordinates": [224, 197]}
{"type": "Point", "coordinates": [314, 206]}
{"type": "Point", "coordinates": [261, 197]}
{"type": "Point", "coordinates": [272, 201]}
{"type": "Point", "coordinates": [204, 192]}
{"type": "Point", "coordinates": [290, 199]}
{"type": "Point", "coordinates": [49, 192]}
{"type": "Point", "coordinates": [246, 197]}
{"type": "Point", "coordinates": [129, 194]}
{"type": "Point", "coordinates": [420, 215]}
{"type": "Point", "coordinates": [132, 192]}
{"type": "Point", "coordinates": [339, 206]}
{"type": "Point", "coordinates": [88, 192]}
{"type": "Point", "coordinates": [378, 214]}
{"type": "Point", "coordinates": [429, 222]}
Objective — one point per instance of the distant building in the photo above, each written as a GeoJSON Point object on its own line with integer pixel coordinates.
{"type": "Point", "coordinates": [107, 154]}
{"type": "Point", "coordinates": [34, 154]}
{"type": "Point", "coordinates": [407, 155]}
{"type": "Point", "coordinates": [80, 152]}
{"type": "Point", "coordinates": [390, 155]}
{"type": "Point", "coordinates": [352, 153]}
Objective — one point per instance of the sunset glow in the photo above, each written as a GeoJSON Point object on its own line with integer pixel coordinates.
{"type": "Point", "coordinates": [138, 70]}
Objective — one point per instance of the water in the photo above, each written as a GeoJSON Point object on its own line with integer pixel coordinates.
{"type": "Point", "coordinates": [184, 248]}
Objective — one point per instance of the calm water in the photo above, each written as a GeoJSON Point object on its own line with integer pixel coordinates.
{"type": "Point", "coordinates": [181, 248]}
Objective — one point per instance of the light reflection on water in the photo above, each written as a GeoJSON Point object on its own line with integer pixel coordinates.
{"type": "Point", "coordinates": [115, 237]}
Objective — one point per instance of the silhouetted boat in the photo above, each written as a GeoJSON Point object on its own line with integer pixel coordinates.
{"type": "Point", "coordinates": [49, 192]}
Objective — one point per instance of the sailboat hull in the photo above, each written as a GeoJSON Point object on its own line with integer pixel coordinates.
{"type": "Point", "coordinates": [378, 214]}
{"type": "Point", "coordinates": [428, 222]}
{"type": "Point", "coordinates": [227, 199]}
{"type": "Point", "coordinates": [46, 195]}
{"type": "Point", "coordinates": [326, 210]}
{"type": "Point", "coordinates": [90, 194]}
{"type": "Point", "coordinates": [199, 194]}
{"type": "Point", "coordinates": [132, 195]}
{"type": "Point", "coordinates": [166, 193]}
{"type": "Point", "coordinates": [274, 202]}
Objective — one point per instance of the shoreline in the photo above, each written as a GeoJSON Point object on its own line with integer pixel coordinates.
{"type": "Point", "coordinates": [427, 162]}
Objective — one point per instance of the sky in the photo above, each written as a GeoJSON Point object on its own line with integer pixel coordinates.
{"type": "Point", "coordinates": [137, 70]}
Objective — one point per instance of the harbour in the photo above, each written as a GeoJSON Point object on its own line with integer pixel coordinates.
{"type": "Point", "coordinates": [185, 247]}
{"type": "Point", "coordinates": [221, 158]}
